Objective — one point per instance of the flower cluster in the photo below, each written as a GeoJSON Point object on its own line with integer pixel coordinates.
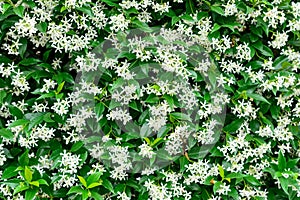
{"type": "Point", "coordinates": [120, 99]}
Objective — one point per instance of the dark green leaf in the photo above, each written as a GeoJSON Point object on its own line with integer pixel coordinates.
{"type": "Point", "coordinates": [257, 97]}
{"type": "Point", "coordinates": [19, 11]}
{"type": "Point", "coordinates": [180, 116]}
{"type": "Point", "coordinates": [96, 196]}
{"type": "Point", "coordinates": [19, 122]}
{"type": "Point", "coordinates": [23, 47]}
{"type": "Point", "coordinates": [284, 184]}
{"type": "Point", "coordinates": [43, 28]}
{"type": "Point", "coordinates": [281, 162]}
{"type": "Point", "coordinates": [24, 159]}
{"type": "Point", "coordinates": [252, 180]}
{"type": "Point", "coordinates": [218, 10]}
{"type": "Point", "coordinates": [7, 134]}
{"type": "Point", "coordinates": [15, 111]}
{"type": "Point", "coordinates": [234, 126]}
{"type": "Point", "coordinates": [86, 10]}
{"type": "Point", "coordinates": [107, 184]}
{"type": "Point", "coordinates": [275, 111]}
{"type": "Point", "coordinates": [266, 51]}
{"type": "Point", "coordinates": [20, 188]}
{"type": "Point", "coordinates": [29, 61]}
{"type": "Point", "coordinates": [76, 146]}
{"type": "Point", "coordinates": [9, 172]}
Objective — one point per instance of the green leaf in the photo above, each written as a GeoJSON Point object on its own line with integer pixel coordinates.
{"type": "Point", "coordinates": [43, 182]}
{"type": "Point", "coordinates": [20, 188]}
{"type": "Point", "coordinates": [266, 51]}
{"type": "Point", "coordinates": [82, 181]}
{"type": "Point", "coordinates": [221, 171]}
{"type": "Point", "coordinates": [85, 194]}
{"type": "Point", "coordinates": [29, 61]}
{"type": "Point", "coordinates": [252, 180]}
{"type": "Point", "coordinates": [258, 97]}
{"type": "Point", "coordinates": [95, 177]}
{"type": "Point", "coordinates": [35, 183]}
{"type": "Point", "coordinates": [96, 196]}
{"type": "Point", "coordinates": [7, 134]}
{"type": "Point", "coordinates": [294, 42]}
{"type": "Point", "coordinates": [147, 140]}
{"type": "Point", "coordinates": [76, 146]}
{"type": "Point", "coordinates": [279, 61]}
{"type": "Point", "coordinates": [281, 162]}
{"type": "Point", "coordinates": [86, 10]}
{"type": "Point", "coordinates": [83, 157]}
{"type": "Point", "coordinates": [24, 159]}
{"type": "Point", "coordinates": [234, 194]}
{"type": "Point", "coordinates": [180, 116]}
{"type": "Point", "coordinates": [23, 47]}
{"type": "Point", "coordinates": [145, 131]}
{"type": "Point", "coordinates": [183, 161]}
{"type": "Point", "coordinates": [43, 28]}
{"type": "Point", "coordinates": [99, 109]}
{"type": "Point", "coordinates": [63, 76]}
{"type": "Point", "coordinates": [234, 126]}
{"type": "Point", "coordinates": [107, 184]}
{"type": "Point", "coordinates": [187, 17]}
{"type": "Point", "coordinates": [218, 10]}
{"type": "Point", "coordinates": [275, 111]}
{"type": "Point", "coordinates": [19, 122]}
{"type": "Point", "coordinates": [259, 46]}
{"type": "Point", "coordinates": [30, 194]}
{"type": "Point", "coordinates": [263, 25]}
{"type": "Point", "coordinates": [5, 7]}
{"type": "Point", "coordinates": [215, 28]}
{"type": "Point", "coordinates": [75, 189]}
{"type": "Point", "coordinates": [189, 6]}
{"type": "Point", "coordinates": [235, 175]}
{"type": "Point", "coordinates": [34, 118]}
{"type": "Point", "coordinates": [19, 11]}
{"type": "Point", "coordinates": [255, 64]}
{"type": "Point", "coordinates": [170, 100]}
{"type": "Point", "coordinates": [257, 31]}
{"type": "Point", "coordinates": [111, 3]}
{"type": "Point", "coordinates": [15, 111]}
{"type": "Point", "coordinates": [198, 152]}
{"type": "Point", "coordinates": [292, 163]}
{"type": "Point", "coordinates": [47, 118]}
{"type": "Point", "coordinates": [9, 172]}
{"type": "Point", "coordinates": [63, 8]}
{"type": "Point", "coordinates": [60, 87]}
{"type": "Point", "coordinates": [216, 186]}
{"type": "Point", "coordinates": [143, 26]}
{"type": "Point", "coordinates": [2, 96]}
{"type": "Point", "coordinates": [156, 141]}
{"type": "Point", "coordinates": [231, 26]}
{"type": "Point", "coordinates": [175, 19]}
{"type": "Point", "coordinates": [28, 174]}
{"type": "Point", "coordinates": [92, 185]}
{"type": "Point", "coordinates": [284, 184]}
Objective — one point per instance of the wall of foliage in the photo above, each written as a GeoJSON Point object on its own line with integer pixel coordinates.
{"type": "Point", "coordinates": [146, 99]}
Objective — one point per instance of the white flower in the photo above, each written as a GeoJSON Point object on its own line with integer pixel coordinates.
{"type": "Point", "coordinates": [280, 40]}
{"type": "Point", "coordinates": [119, 23]}
{"type": "Point", "coordinates": [49, 84]}
{"type": "Point", "coordinates": [61, 107]}
{"type": "Point", "coordinates": [146, 151]}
